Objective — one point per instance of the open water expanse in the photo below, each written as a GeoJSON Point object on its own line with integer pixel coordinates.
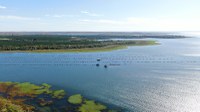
{"type": "Point", "coordinates": [160, 78]}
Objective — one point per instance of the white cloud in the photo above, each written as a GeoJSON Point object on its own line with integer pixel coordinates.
{"type": "Point", "coordinates": [102, 21]}
{"type": "Point", "coordinates": [166, 23]}
{"type": "Point", "coordinates": [60, 15]}
{"type": "Point", "coordinates": [11, 17]}
{"type": "Point", "coordinates": [55, 16]}
{"type": "Point", "coordinates": [2, 7]}
{"type": "Point", "coordinates": [85, 12]}
{"type": "Point", "coordinates": [147, 24]}
{"type": "Point", "coordinates": [91, 14]}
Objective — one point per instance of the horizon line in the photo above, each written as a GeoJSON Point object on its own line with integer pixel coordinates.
{"type": "Point", "coordinates": [86, 31]}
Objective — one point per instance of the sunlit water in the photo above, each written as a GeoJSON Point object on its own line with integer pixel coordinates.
{"type": "Point", "coordinates": [161, 78]}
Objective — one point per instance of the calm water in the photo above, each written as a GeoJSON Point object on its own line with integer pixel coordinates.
{"type": "Point", "coordinates": [163, 78]}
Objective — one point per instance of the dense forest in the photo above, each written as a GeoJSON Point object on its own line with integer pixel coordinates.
{"type": "Point", "coordinates": [57, 42]}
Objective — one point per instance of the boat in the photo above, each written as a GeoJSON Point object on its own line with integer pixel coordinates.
{"type": "Point", "coordinates": [98, 59]}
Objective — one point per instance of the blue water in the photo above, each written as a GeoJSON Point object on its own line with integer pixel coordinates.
{"type": "Point", "coordinates": [161, 78]}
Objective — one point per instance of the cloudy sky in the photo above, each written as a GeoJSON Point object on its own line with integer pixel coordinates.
{"type": "Point", "coordinates": [99, 15]}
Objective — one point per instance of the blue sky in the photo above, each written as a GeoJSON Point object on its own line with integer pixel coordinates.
{"type": "Point", "coordinates": [99, 15]}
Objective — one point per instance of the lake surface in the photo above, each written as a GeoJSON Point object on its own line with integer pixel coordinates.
{"type": "Point", "coordinates": [161, 78]}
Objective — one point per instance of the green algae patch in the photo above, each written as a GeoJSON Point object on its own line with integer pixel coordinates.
{"type": "Point", "coordinates": [59, 94]}
{"type": "Point", "coordinates": [91, 106]}
{"type": "Point", "coordinates": [47, 86]}
{"type": "Point", "coordinates": [14, 89]}
{"type": "Point", "coordinates": [15, 95]}
{"type": "Point", "coordinates": [75, 99]}
{"type": "Point", "coordinates": [28, 89]}
{"type": "Point", "coordinates": [29, 97]}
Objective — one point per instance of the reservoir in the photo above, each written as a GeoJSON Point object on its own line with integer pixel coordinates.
{"type": "Point", "coordinates": [159, 78]}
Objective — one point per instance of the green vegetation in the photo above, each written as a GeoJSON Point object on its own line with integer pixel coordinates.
{"type": "Point", "coordinates": [24, 89]}
{"type": "Point", "coordinates": [28, 97]}
{"type": "Point", "coordinates": [59, 43]}
{"type": "Point", "coordinates": [91, 106]}
{"type": "Point", "coordinates": [7, 105]}
{"type": "Point", "coordinates": [75, 99]}
{"type": "Point", "coordinates": [59, 94]}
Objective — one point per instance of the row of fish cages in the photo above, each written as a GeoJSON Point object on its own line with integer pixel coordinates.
{"type": "Point", "coordinates": [104, 64]}
{"type": "Point", "coordinates": [88, 58]}
{"type": "Point", "coordinates": [92, 60]}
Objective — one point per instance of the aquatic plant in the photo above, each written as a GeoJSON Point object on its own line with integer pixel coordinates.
{"type": "Point", "coordinates": [59, 94]}
{"type": "Point", "coordinates": [13, 106]}
{"type": "Point", "coordinates": [14, 89]}
{"type": "Point", "coordinates": [91, 106]}
{"type": "Point", "coordinates": [28, 89]}
{"type": "Point", "coordinates": [28, 97]}
{"type": "Point", "coordinates": [75, 99]}
{"type": "Point", "coordinates": [21, 89]}
{"type": "Point", "coordinates": [45, 109]}
{"type": "Point", "coordinates": [44, 102]}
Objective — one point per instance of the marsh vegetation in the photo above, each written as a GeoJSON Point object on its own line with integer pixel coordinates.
{"type": "Point", "coordinates": [28, 97]}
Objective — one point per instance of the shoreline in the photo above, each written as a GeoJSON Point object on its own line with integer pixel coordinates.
{"type": "Point", "coordinates": [81, 50]}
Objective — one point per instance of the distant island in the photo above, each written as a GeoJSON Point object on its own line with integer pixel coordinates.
{"type": "Point", "coordinates": [65, 43]}
{"type": "Point", "coordinates": [103, 35]}
{"type": "Point", "coordinates": [78, 41]}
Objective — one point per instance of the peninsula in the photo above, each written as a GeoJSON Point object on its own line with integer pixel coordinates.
{"type": "Point", "coordinates": [63, 43]}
